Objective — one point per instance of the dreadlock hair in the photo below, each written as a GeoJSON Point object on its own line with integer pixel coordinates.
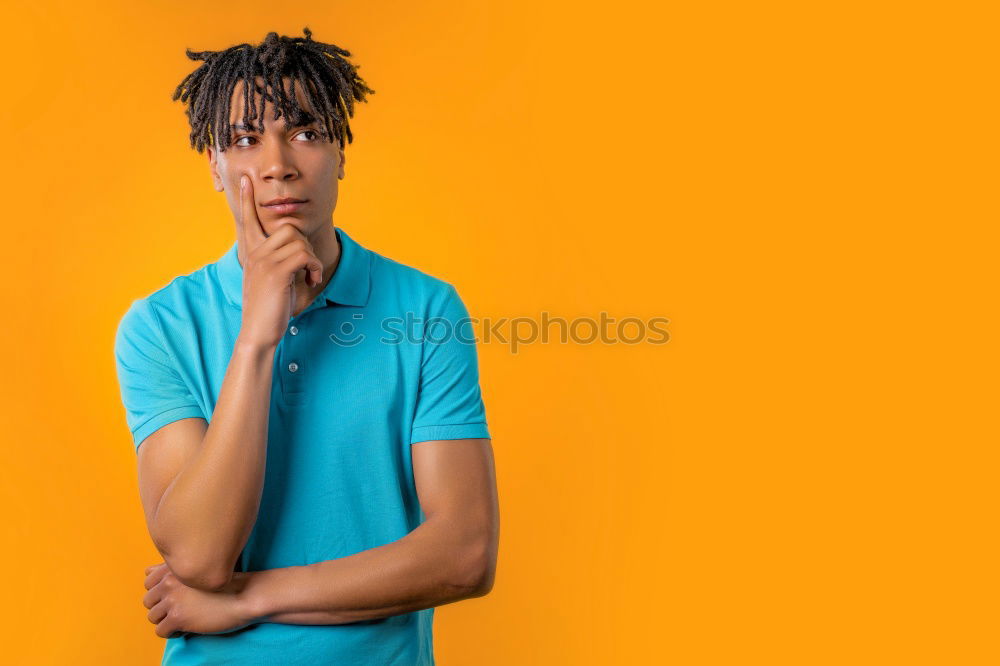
{"type": "Point", "coordinates": [329, 81]}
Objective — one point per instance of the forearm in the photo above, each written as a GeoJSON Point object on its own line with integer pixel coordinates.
{"type": "Point", "coordinates": [428, 567]}
{"type": "Point", "coordinates": [207, 513]}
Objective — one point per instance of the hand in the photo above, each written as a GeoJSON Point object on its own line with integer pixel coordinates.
{"type": "Point", "coordinates": [175, 608]}
{"type": "Point", "coordinates": [270, 267]}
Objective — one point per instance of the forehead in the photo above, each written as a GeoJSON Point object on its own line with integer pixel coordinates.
{"type": "Point", "coordinates": [236, 105]}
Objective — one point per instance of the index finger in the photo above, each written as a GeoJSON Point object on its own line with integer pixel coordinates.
{"type": "Point", "coordinates": [251, 232]}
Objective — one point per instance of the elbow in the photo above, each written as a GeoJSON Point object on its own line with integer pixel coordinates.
{"type": "Point", "coordinates": [485, 583]}
{"type": "Point", "coordinates": [478, 571]}
{"type": "Point", "coordinates": [200, 576]}
{"type": "Point", "coordinates": [192, 567]}
{"type": "Point", "coordinates": [196, 570]}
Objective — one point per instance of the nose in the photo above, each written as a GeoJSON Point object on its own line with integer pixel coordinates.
{"type": "Point", "coordinates": [276, 163]}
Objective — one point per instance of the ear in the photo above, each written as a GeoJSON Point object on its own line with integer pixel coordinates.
{"type": "Point", "coordinates": [340, 169]}
{"type": "Point", "coordinates": [213, 167]}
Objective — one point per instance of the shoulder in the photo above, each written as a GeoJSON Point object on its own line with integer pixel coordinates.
{"type": "Point", "coordinates": [413, 284]}
{"type": "Point", "coordinates": [142, 318]}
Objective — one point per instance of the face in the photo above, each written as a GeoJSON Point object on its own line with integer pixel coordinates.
{"type": "Point", "coordinates": [296, 162]}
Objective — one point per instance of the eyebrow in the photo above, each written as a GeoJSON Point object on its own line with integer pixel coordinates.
{"type": "Point", "coordinates": [247, 128]}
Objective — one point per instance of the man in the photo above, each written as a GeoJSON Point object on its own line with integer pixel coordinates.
{"type": "Point", "coordinates": [313, 454]}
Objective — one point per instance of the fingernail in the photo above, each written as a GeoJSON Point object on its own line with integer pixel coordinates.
{"type": "Point", "coordinates": [243, 182]}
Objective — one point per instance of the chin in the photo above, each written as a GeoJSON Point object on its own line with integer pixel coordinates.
{"type": "Point", "coordinates": [296, 222]}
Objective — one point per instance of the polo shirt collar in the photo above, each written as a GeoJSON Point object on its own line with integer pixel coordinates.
{"type": "Point", "coordinates": [350, 284]}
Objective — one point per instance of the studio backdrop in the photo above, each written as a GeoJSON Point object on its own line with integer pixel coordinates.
{"type": "Point", "coordinates": [732, 271]}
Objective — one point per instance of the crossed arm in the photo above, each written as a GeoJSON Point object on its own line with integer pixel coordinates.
{"type": "Point", "coordinates": [449, 557]}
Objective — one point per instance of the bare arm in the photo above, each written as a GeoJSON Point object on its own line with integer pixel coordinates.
{"type": "Point", "coordinates": [201, 485]}
{"type": "Point", "coordinates": [214, 475]}
{"type": "Point", "coordinates": [450, 556]}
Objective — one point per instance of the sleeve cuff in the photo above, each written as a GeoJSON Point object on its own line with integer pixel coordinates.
{"type": "Point", "coordinates": [460, 431]}
{"type": "Point", "coordinates": [162, 419]}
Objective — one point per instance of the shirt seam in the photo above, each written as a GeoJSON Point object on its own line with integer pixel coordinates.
{"type": "Point", "coordinates": [448, 425]}
{"type": "Point", "coordinates": [146, 422]}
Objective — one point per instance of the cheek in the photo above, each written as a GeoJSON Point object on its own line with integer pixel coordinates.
{"type": "Point", "coordinates": [326, 193]}
{"type": "Point", "coordinates": [232, 195]}
{"type": "Point", "coordinates": [325, 176]}
{"type": "Point", "coordinates": [329, 192]}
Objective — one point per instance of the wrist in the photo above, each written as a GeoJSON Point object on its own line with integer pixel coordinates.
{"type": "Point", "coordinates": [249, 600]}
{"type": "Point", "coordinates": [250, 346]}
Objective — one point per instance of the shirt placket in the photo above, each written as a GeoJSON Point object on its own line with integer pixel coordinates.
{"type": "Point", "coordinates": [293, 367]}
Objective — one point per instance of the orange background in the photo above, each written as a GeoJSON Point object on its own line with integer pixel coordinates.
{"type": "Point", "coordinates": [804, 474]}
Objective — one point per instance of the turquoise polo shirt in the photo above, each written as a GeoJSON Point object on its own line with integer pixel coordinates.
{"type": "Point", "coordinates": [382, 359]}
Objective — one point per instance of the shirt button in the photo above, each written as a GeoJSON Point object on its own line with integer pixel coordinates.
{"type": "Point", "coordinates": [294, 330]}
{"type": "Point", "coordinates": [293, 366]}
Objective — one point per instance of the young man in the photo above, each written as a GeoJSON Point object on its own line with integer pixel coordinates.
{"type": "Point", "coordinates": [313, 455]}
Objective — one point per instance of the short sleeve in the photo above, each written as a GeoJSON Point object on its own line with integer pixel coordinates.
{"type": "Point", "coordinates": [449, 400]}
{"type": "Point", "coordinates": [152, 391]}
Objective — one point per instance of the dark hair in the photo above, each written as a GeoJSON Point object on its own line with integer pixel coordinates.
{"type": "Point", "coordinates": [330, 83]}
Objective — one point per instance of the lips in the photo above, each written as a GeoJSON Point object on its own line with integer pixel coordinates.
{"type": "Point", "coordinates": [285, 206]}
{"type": "Point", "coordinates": [286, 200]}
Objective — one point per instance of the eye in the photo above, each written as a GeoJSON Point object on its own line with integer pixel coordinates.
{"type": "Point", "coordinates": [308, 131]}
